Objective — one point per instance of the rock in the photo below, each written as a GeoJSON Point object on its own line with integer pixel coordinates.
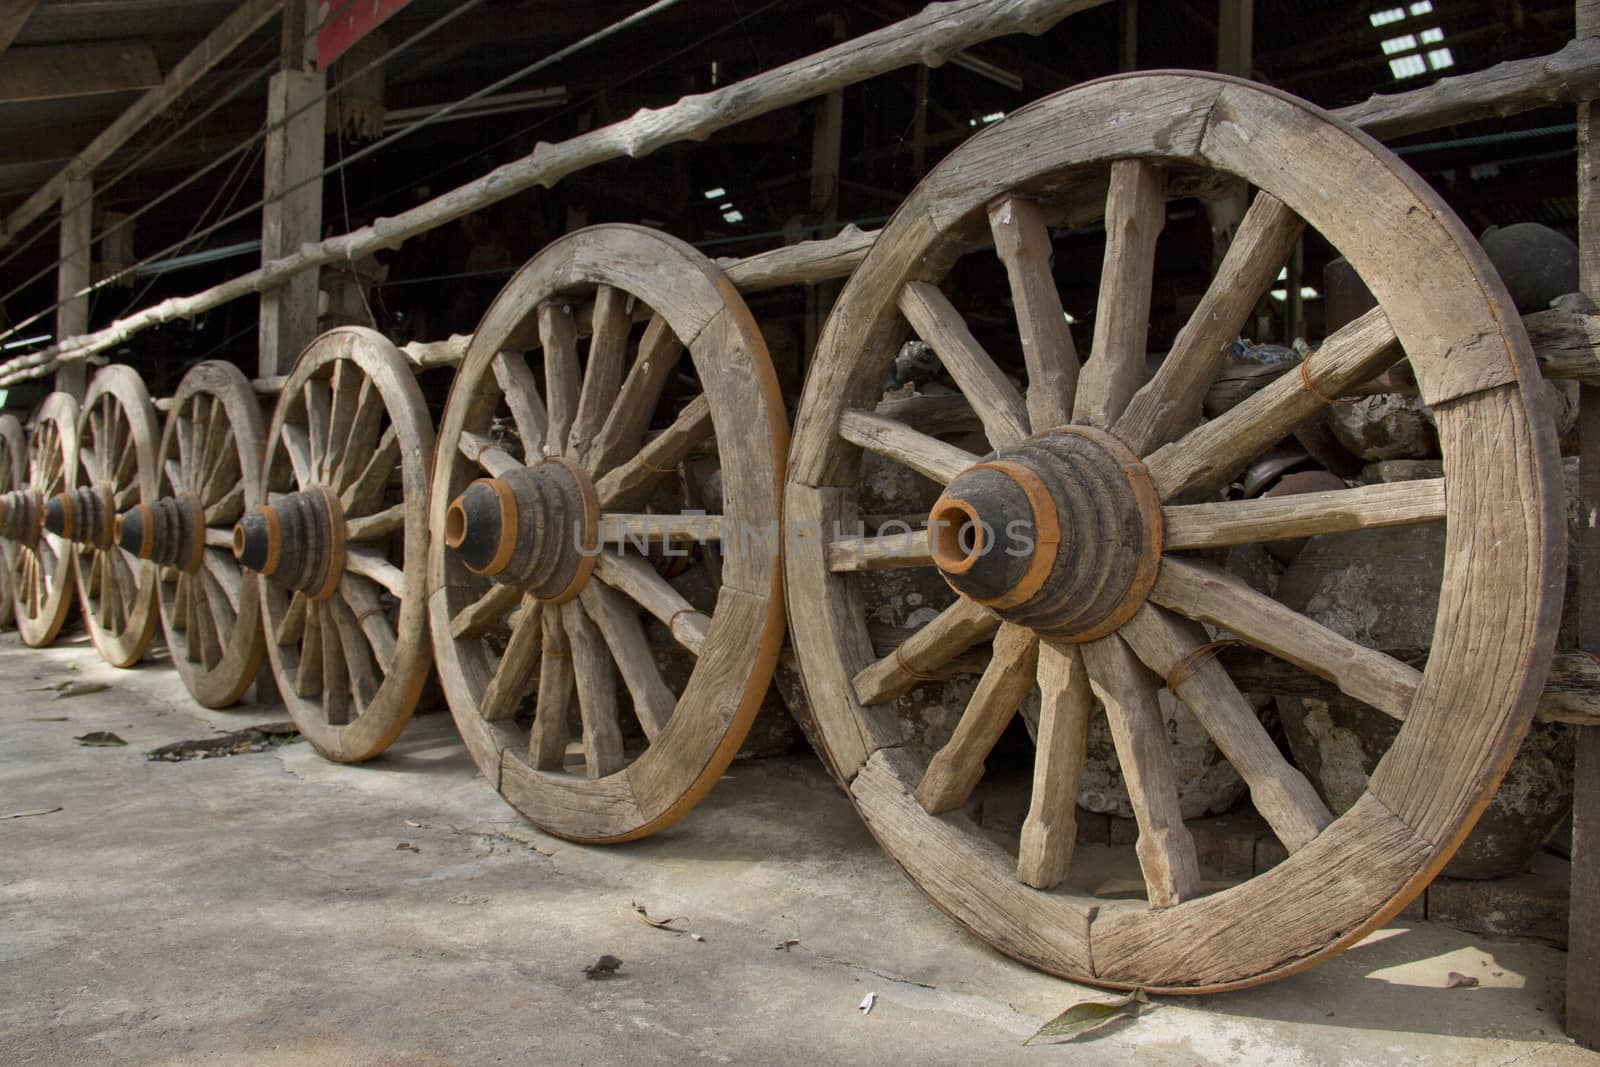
{"type": "Point", "coordinates": [1537, 263]}
{"type": "Point", "coordinates": [1386, 426]}
{"type": "Point", "coordinates": [1381, 589]}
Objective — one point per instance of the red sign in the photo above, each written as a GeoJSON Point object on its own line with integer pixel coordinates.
{"type": "Point", "coordinates": [344, 22]}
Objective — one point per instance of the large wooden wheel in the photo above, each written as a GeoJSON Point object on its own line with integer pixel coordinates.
{"type": "Point", "coordinates": [208, 465]}
{"type": "Point", "coordinates": [1097, 592]}
{"type": "Point", "coordinates": [118, 433]}
{"type": "Point", "coordinates": [41, 562]}
{"type": "Point", "coordinates": [13, 475]}
{"type": "Point", "coordinates": [556, 573]}
{"type": "Point", "coordinates": [340, 543]}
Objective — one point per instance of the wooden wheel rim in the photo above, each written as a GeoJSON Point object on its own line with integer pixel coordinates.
{"type": "Point", "coordinates": [13, 475]}
{"type": "Point", "coordinates": [118, 433]}
{"type": "Point", "coordinates": [730, 677]}
{"type": "Point", "coordinates": [211, 447]}
{"type": "Point", "coordinates": [42, 572]}
{"type": "Point", "coordinates": [378, 384]}
{"type": "Point", "coordinates": [1462, 728]}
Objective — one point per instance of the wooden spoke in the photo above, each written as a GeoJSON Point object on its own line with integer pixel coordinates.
{"type": "Point", "coordinates": [661, 454]}
{"type": "Point", "coordinates": [993, 397]}
{"type": "Point", "coordinates": [547, 741]}
{"type": "Point", "coordinates": [292, 627]}
{"type": "Point", "coordinates": [1051, 828]}
{"type": "Point", "coordinates": [361, 440]}
{"type": "Point", "coordinates": [644, 531]}
{"type": "Point", "coordinates": [491, 457]}
{"type": "Point", "coordinates": [359, 661]}
{"type": "Point", "coordinates": [219, 538]}
{"type": "Point", "coordinates": [1170, 404]}
{"type": "Point", "coordinates": [226, 512]}
{"type": "Point", "coordinates": [521, 392]}
{"type": "Point", "coordinates": [1241, 522]}
{"type": "Point", "coordinates": [370, 485]}
{"type": "Point", "coordinates": [1176, 649]}
{"type": "Point", "coordinates": [222, 570]}
{"type": "Point", "coordinates": [955, 629]}
{"type": "Point", "coordinates": [558, 334]}
{"type": "Point", "coordinates": [185, 439]}
{"type": "Point", "coordinates": [174, 472]}
{"type": "Point", "coordinates": [1208, 456]}
{"type": "Point", "coordinates": [653, 701]}
{"type": "Point", "coordinates": [347, 383]}
{"type": "Point", "coordinates": [361, 596]}
{"type": "Point", "coordinates": [378, 525]}
{"type": "Point", "coordinates": [602, 374]}
{"type": "Point", "coordinates": [298, 446]}
{"type": "Point", "coordinates": [308, 678]}
{"type": "Point", "coordinates": [1022, 241]}
{"type": "Point", "coordinates": [926, 455]}
{"type": "Point", "coordinates": [221, 616]}
{"type": "Point", "coordinates": [1213, 596]}
{"type": "Point", "coordinates": [1136, 210]}
{"type": "Point", "coordinates": [484, 614]}
{"type": "Point", "coordinates": [337, 709]}
{"type": "Point", "coordinates": [624, 429]}
{"type": "Point", "coordinates": [509, 683]}
{"type": "Point", "coordinates": [636, 578]}
{"type": "Point", "coordinates": [319, 413]}
{"type": "Point", "coordinates": [883, 552]}
{"type": "Point", "coordinates": [1165, 847]}
{"type": "Point", "coordinates": [205, 623]}
{"type": "Point", "coordinates": [597, 693]}
{"type": "Point", "coordinates": [370, 564]}
{"type": "Point", "coordinates": [955, 769]}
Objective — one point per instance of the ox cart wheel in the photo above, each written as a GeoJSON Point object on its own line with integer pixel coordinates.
{"type": "Point", "coordinates": [339, 543]}
{"type": "Point", "coordinates": [577, 548]}
{"type": "Point", "coordinates": [117, 437]}
{"type": "Point", "coordinates": [41, 562]}
{"type": "Point", "coordinates": [1100, 592]}
{"type": "Point", "coordinates": [208, 465]}
{"type": "Point", "coordinates": [13, 475]}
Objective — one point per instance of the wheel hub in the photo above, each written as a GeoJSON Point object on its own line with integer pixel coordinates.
{"type": "Point", "coordinates": [1061, 533]}
{"type": "Point", "coordinates": [298, 541]}
{"type": "Point", "coordinates": [535, 527]}
{"type": "Point", "coordinates": [171, 531]}
{"type": "Point", "coordinates": [85, 516]}
{"type": "Point", "coordinates": [21, 515]}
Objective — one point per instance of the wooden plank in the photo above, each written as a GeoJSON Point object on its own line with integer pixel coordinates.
{"type": "Point", "coordinates": [13, 15]}
{"type": "Point", "coordinates": [84, 69]}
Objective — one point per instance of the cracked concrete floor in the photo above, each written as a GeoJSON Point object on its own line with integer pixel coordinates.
{"type": "Point", "coordinates": [257, 909]}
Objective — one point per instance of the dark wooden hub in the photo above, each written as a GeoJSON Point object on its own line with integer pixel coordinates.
{"type": "Point", "coordinates": [171, 531]}
{"type": "Point", "coordinates": [536, 527]}
{"type": "Point", "coordinates": [1061, 533]}
{"type": "Point", "coordinates": [85, 516]}
{"type": "Point", "coordinates": [21, 515]}
{"type": "Point", "coordinates": [297, 541]}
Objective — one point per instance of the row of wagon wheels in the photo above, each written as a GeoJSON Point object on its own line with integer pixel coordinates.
{"type": "Point", "coordinates": [605, 616]}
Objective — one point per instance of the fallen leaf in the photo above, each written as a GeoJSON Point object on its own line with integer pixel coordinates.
{"type": "Point", "coordinates": [604, 967]}
{"type": "Point", "coordinates": [100, 739]}
{"type": "Point", "coordinates": [1088, 1016]}
{"type": "Point", "coordinates": [786, 945]}
{"type": "Point", "coordinates": [660, 924]}
{"type": "Point", "coordinates": [413, 823]}
{"type": "Point", "coordinates": [47, 718]}
{"type": "Point", "coordinates": [1457, 980]}
{"type": "Point", "coordinates": [407, 846]}
{"type": "Point", "coordinates": [82, 690]}
{"type": "Point", "coordinates": [35, 811]}
{"type": "Point", "coordinates": [867, 1002]}
{"type": "Point", "coordinates": [696, 937]}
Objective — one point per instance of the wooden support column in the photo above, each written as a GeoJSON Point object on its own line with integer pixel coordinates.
{"type": "Point", "coordinates": [293, 160]}
{"type": "Point", "coordinates": [1235, 37]}
{"type": "Point", "coordinates": [1583, 931]}
{"type": "Point", "coordinates": [73, 275]}
{"type": "Point", "coordinates": [1128, 41]}
{"type": "Point", "coordinates": [827, 135]}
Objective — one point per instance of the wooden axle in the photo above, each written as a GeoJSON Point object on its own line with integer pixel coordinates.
{"type": "Point", "coordinates": [1061, 533]}
{"type": "Point", "coordinates": [298, 541]}
{"type": "Point", "coordinates": [171, 531]}
{"type": "Point", "coordinates": [533, 527]}
{"type": "Point", "coordinates": [86, 515]}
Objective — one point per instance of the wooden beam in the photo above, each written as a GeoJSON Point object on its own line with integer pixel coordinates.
{"type": "Point", "coordinates": [292, 216]}
{"type": "Point", "coordinates": [13, 14]}
{"type": "Point", "coordinates": [246, 19]}
{"type": "Point", "coordinates": [61, 71]}
{"type": "Point", "coordinates": [73, 275]}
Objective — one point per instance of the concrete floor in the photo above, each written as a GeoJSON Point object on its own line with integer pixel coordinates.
{"type": "Point", "coordinates": [256, 909]}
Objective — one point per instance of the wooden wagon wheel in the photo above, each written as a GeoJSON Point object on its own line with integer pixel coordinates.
{"type": "Point", "coordinates": [117, 437]}
{"type": "Point", "coordinates": [1113, 483]}
{"type": "Point", "coordinates": [539, 587]}
{"type": "Point", "coordinates": [41, 563]}
{"type": "Point", "coordinates": [340, 543]}
{"type": "Point", "coordinates": [208, 465]}
{"type": "Point", "coordinates": [13, 475]}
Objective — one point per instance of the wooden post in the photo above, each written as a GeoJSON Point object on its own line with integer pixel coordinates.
{"type": "Point", "coordinates": [826, 144]}
{"type": "Point", "coordinates": [1235, 19]}
{"type": "Point", "coordinates": [73, 275]}
{"type": "Point", "coordinates": [293, 155]}
{"type": "Point", "coordinates": [1583, 931]}
{"type": "Point", "coordinates": [919, 127]}
{"type": "Point", "coordinates": [1128, 44]}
